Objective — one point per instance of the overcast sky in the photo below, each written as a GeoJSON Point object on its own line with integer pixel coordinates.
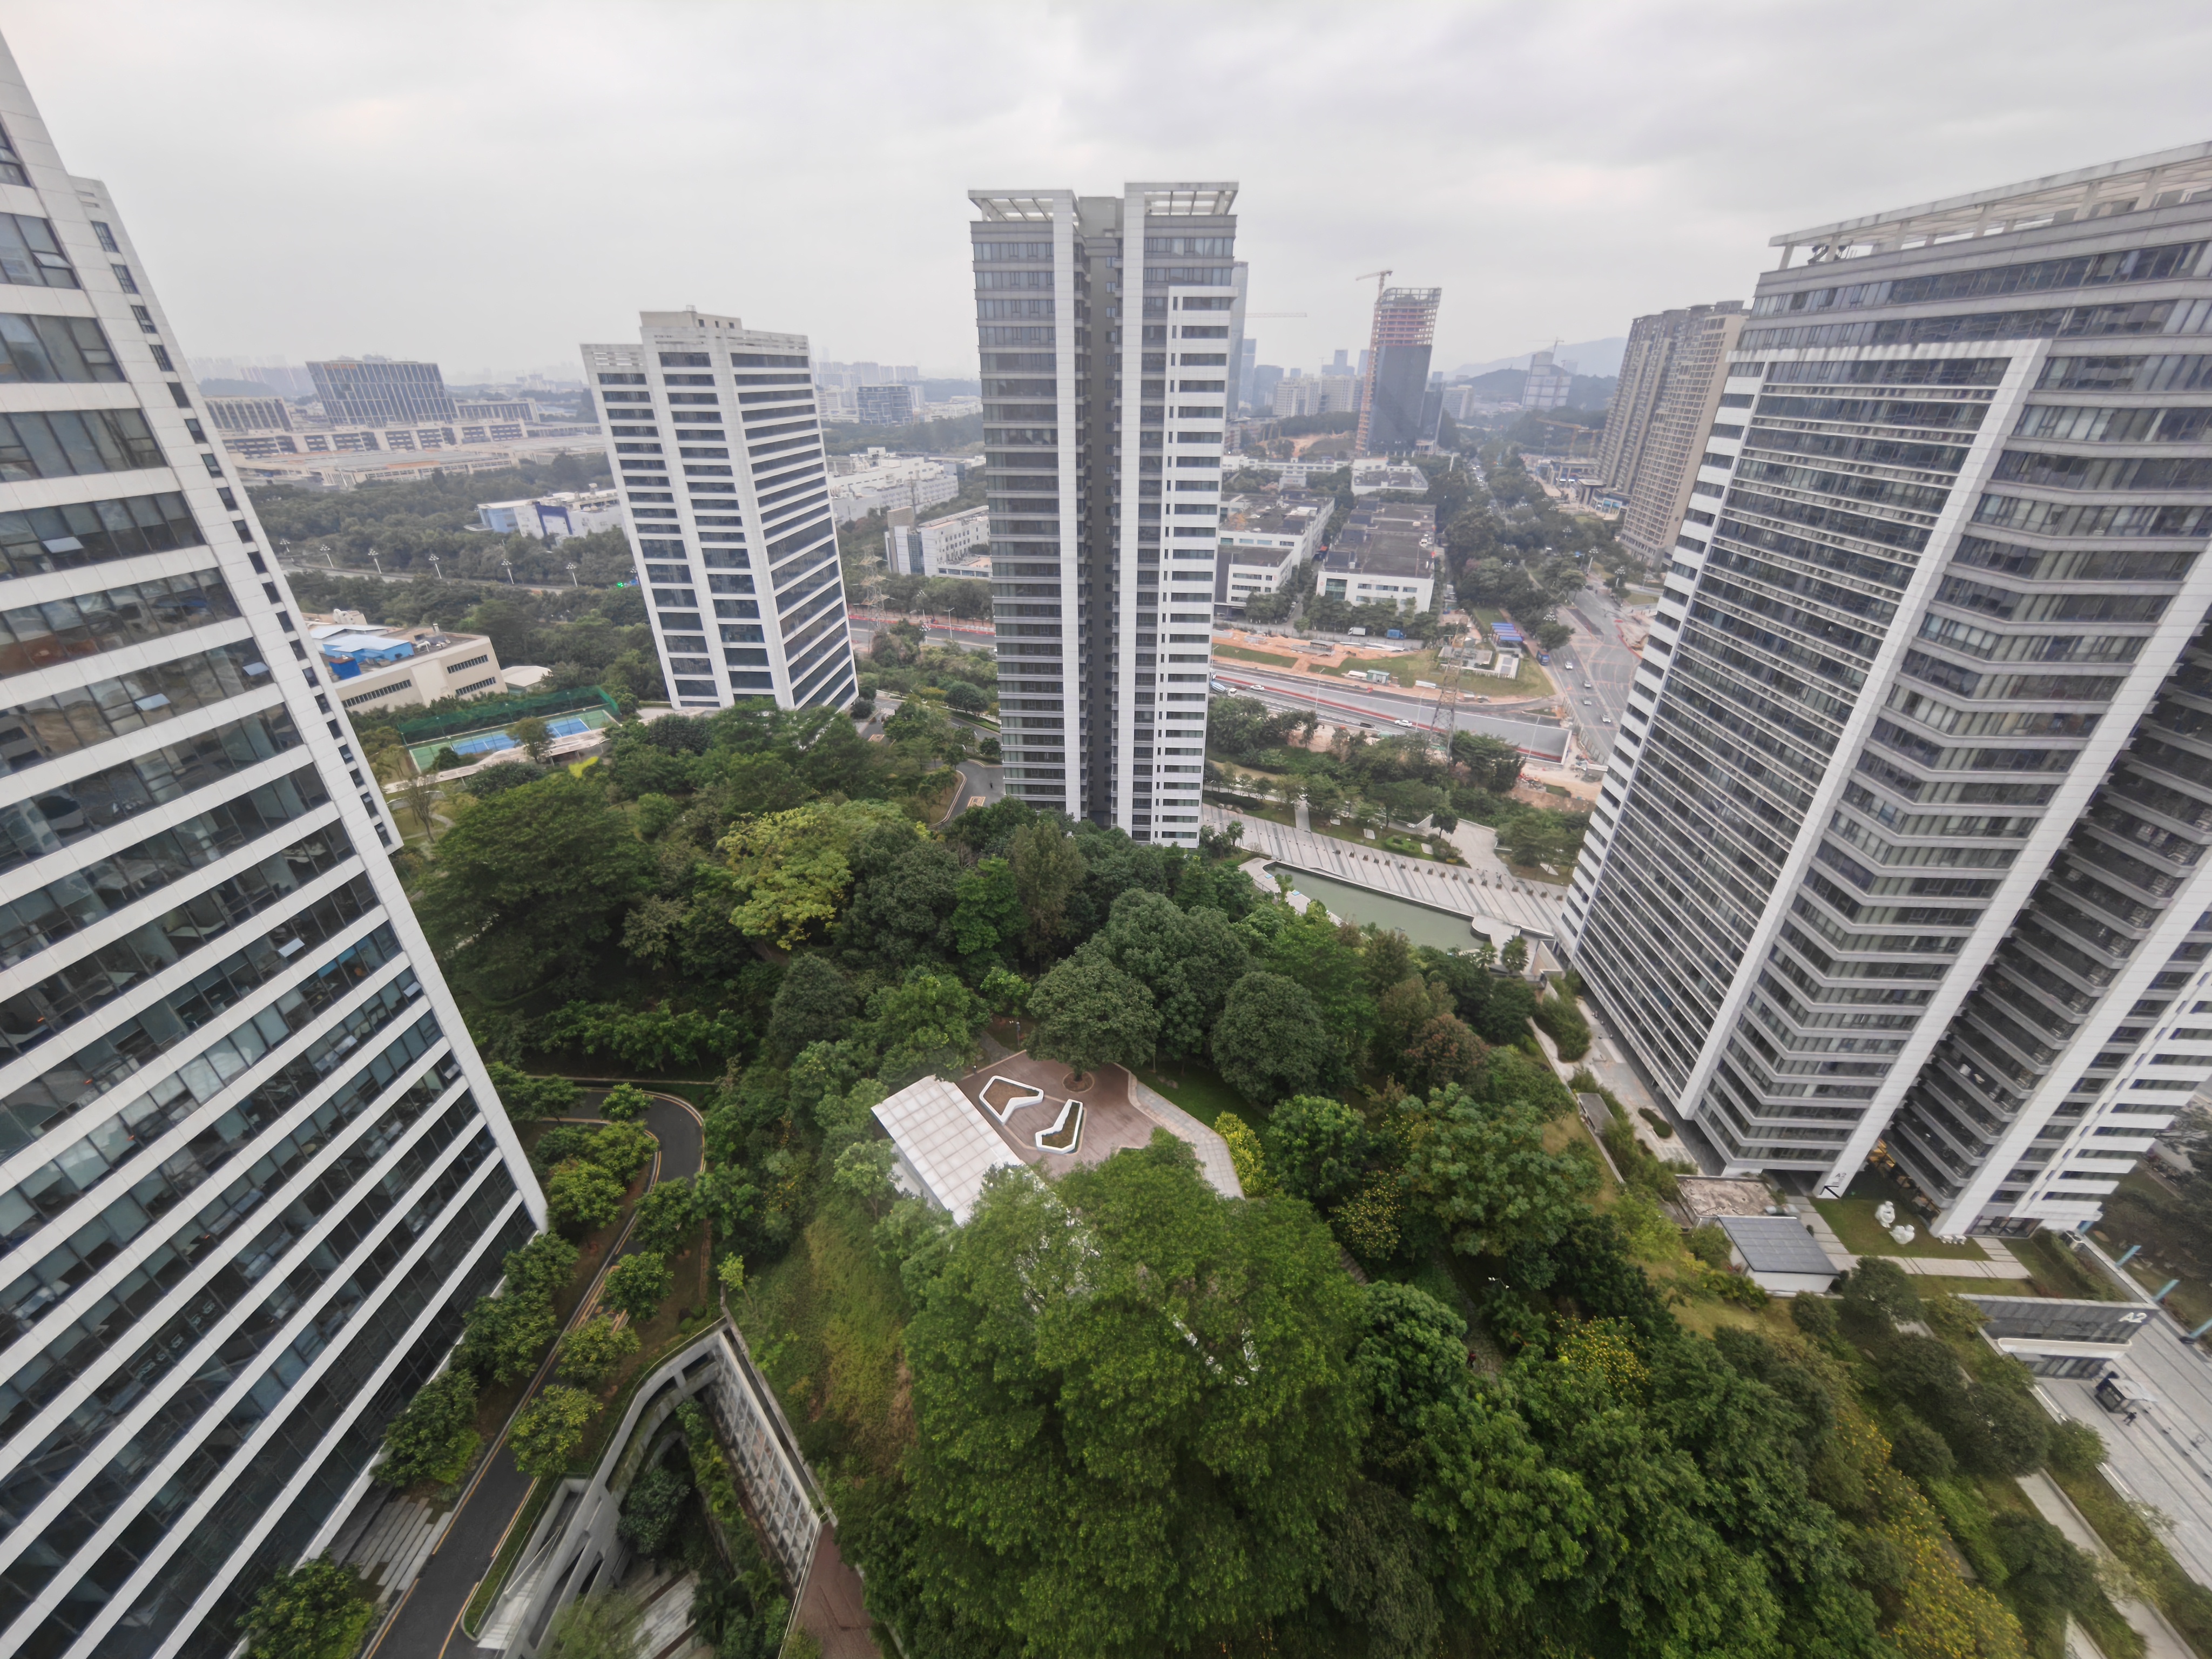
{"type": "Point", "coordinates": [487, 183]}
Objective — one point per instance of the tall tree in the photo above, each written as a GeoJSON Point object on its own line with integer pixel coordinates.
{"type": "Point", "coordinates": [812, 1004]}
{"type": "Point", "coordinates": [1270, 1041]}
{"type": "Point", "coordinates": [1186, 960]}
{"type": "Point", "coordinates": [1048, 869]}
{"type": "Point", "coordinates": [527, 885]}
{"type": "Point", "coordinates": [1136, 1407]}
{"type": "Point", "coordinates": [792, 868]}
{"type": "Point", "coordinates": [1089, 1013]}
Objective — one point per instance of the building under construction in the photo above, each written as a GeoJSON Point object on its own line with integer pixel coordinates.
{"type": "Point", "coordinates": [1390, 421]}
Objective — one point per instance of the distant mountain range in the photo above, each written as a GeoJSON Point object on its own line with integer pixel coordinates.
{"type": "Point", "coordinates": [1596, 357]}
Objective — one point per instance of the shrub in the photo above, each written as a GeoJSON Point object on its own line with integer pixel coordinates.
{"type": "Point", "coordinates": [581, 1195]}
{"type": "Point", "coordinates": [651, 1507]}
{"type": "Point", "coordinates": [1660, 1126]}
{"type": "Point", "coordinates": [1815, 1316]}
{"type": "Point", "coordinates": [595, 1350]}
{"type": "Point", "coordinates": [1881, 1285]}
{"type": "Point", "coordinates": [434, 1438]}
{"type": "Point", "coordinates": [637, 1285]}
{"type": "Point", "coordinates": [1562, 1022]}
{"type": "Point", "coordinates": [1245, 1152]}
{"type": "Point", "coordinates": [559, 1145]}
{"type": "Point", "coordinates": [2075, 1448]}
{"type": "Point", "coordinates": [1709, 1245]}
{"type": "Point", "coordinates": [625, 1103]}
{"type": "Point", "coordinates": [1916, 1448]}
{"type": "Point", "coordinates": [1367, 1224]}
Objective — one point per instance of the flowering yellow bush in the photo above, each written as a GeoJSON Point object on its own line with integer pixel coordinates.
{"type": "Point", "coordinates": [1244, 1151]}
{"type": "Point", "coordinates": [1603, 1347]}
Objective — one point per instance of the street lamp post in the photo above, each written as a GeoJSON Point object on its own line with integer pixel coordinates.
{"type": "Point", "coordinates": [438, 570]}
{"type": "Point", "coordinates": [508, 565]}
{"type": "Point", "coordinates": [378, 562]}
{"type": "Point", "coordinates": [572, 573]}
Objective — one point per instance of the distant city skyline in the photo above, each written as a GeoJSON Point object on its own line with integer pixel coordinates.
{"type": "Point", "coordinates": [1557, 170]}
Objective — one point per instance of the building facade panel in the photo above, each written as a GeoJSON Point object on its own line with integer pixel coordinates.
{"type": "Point", "coordinates": [1899, 853]}
{"type": "Point", "coordinates": [712, 435]}
{"type": "Point", "coordinates": [245, 1171]}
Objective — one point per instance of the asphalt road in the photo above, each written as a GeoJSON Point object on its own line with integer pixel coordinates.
{"type": "Point", "coordinates": [981, 784]}
{"type": "Point", "coordinates": [427, 1623]}
{"type": "Point", "coordinates": [1596, 667]}
{"type": "Point", "coordinates": [1387, 710]}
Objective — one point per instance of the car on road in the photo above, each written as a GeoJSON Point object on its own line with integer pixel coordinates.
{"type": "Point", "coordinates": [1605, 722]}
{"type": "Point", "coordinates": [1587, 701]}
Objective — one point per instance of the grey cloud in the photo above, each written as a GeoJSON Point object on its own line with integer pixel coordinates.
{"type": "Point", "coordinates": [489, 183]}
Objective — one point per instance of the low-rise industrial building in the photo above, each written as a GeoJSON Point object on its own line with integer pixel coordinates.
{"type": "Point", "coordinates": [957, 545]}
{"type": "Point", "coordinates": [1264, 539]}
{"type": "Point", "coordinates": [1385, 554]}
{"type": "Point", "coordinates": [554, 518]}
{"type": "Point", "coordinates": [379, 668]}
{"type": "Point", "coordinates": [1378, 473]}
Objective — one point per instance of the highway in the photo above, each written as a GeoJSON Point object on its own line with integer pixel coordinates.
{"type": "Point", "coordinates": [1388, 709]}
{"type": "Point", "coordinates": [1595, 655]}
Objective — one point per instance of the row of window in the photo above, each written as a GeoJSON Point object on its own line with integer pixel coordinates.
{"type": "Point", "coordinates": [2141, 264]}
{"type": "Point", "coordinates": [66, 443]}
{"type": "Point", "coordinates": [40, 636]}
{"type": "Point", "coordinates": [36, 921]}
{"type": "Point", "coordinates": [40, 540]}
{"type": "Point", "coordinates": [33, 1014]}
{"type": "Point", "coordinates": [87, 715]}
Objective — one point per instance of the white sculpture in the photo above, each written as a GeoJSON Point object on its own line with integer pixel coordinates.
{"type": "Point", "coordinates": [1904, 1234]}
{"type": "Point", "coordinates": [1886, 1212]}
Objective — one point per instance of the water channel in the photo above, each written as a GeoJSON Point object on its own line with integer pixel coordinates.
{"type": "Point", "coordinates": [1419, 924]}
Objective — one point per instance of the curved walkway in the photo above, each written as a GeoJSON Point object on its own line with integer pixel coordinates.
{"type": "Point", "coordinates": [428, 1620]}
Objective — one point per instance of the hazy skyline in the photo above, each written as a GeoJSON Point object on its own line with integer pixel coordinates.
{"type": "Point", "coordinates": [489, 184]}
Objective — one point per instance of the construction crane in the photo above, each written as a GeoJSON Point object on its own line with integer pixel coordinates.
{"type": "Point", "coordinates": [1381, 280]}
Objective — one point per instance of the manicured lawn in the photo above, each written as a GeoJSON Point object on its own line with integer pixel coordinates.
{"type": "Point", "coordinates": [1853, 1220]}
{"type": "Point", "coordinates": [2056, 1272]}
{"type": "Point", "coordinates": [1199, 1089]}
{"type": "Point", "coordinates": [2143, 1212]}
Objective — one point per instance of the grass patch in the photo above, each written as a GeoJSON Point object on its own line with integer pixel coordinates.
{"type": "Point", "coordinates": [1419, 665]}
{"type": "Point", "coordinates": [2187, 1603]}
{"type": "Point", "coordinates": [2055, 1270]}
{"type": "Point", "coordinates": [1198, 1089]}
{"type": "Point", "coordinates": [827, 1327]}
{"type": "Point", "coordinates": [1244, 654]}
{"type": "Point", "coordinates": [2143, 1210]}
{"type": "Point", "coordinates": [1854, 1221]}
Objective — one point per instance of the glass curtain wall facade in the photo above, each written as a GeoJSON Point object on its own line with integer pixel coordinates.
{"type": "Point", "coordinates": [1901, 853]}
{"type": "Point", "coordinates": [251, 1173]}
{"type": "Point", "coordinates": [1106, 327]}
{"type": "Point", "coordinates": [713, 430]}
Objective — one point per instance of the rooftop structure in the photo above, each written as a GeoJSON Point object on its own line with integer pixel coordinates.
{"type": "Point", "coordinates": [1779, 1254]}
{"type": "Point", "coordinates": [554, 518]}
{"type": "Point", "coordinates": [1018, 1112]}
{"type": "Point", "coordinates": [385, 668]}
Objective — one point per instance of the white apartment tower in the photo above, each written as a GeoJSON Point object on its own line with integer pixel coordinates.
{"type": "Point", "coordinates": [1106, 325]}
{"type": "Point", "coordinates": [712, 434]}
{"type": "Point", "coordinates": [253, 1173]}
{"type": "Point", "coordinates": [1901, 852]}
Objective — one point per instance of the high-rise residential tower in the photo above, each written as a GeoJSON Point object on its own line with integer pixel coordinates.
{"type": "Point", "coordinates": [253, 1173]}
{"type": "Point", "coordinates": [1902, 847]}
{"type": "Point", "coordinates": [712, 431]}
{"type": "Point", "coordinates": [1397, 371]}
{"type": "Point", "coordinates": [381, 391]}
{"type": "Point", "coordinates": [1661, 412]}
{"type": "Point", "coordinates": [1106, 324]}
